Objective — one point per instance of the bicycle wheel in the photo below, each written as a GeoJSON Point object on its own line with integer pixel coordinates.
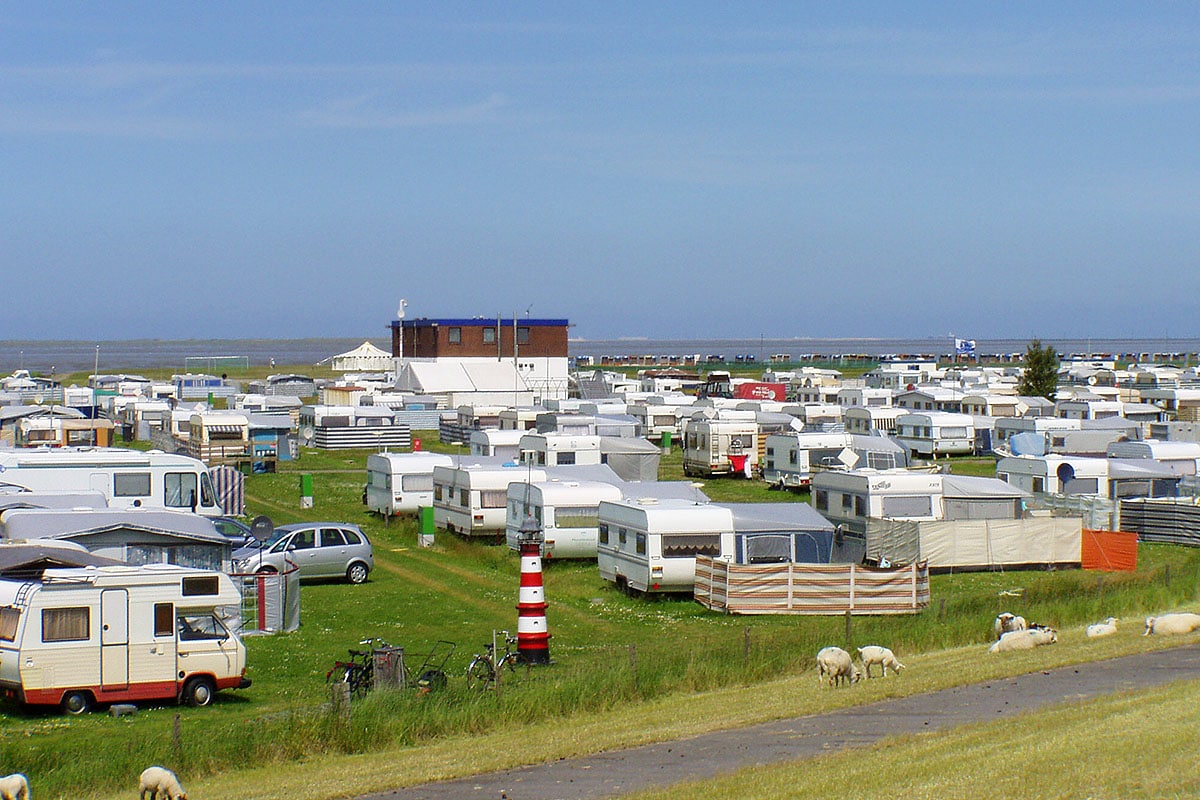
{"type": "Point", "coordinates": [480, 673]}
{"type": "Point", "coordinates": [360, 679]}
{"type": "Point", "coordinates": [510, 662]}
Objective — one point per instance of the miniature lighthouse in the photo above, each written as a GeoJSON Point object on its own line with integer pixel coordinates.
{"type": "Point", "coordinates": [533, 637]}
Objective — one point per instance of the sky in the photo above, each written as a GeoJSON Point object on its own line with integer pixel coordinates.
{"type": "Point", "coordinates": [660, 170]}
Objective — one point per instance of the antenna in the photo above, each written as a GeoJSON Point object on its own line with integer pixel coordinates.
{"type": "Point", "coordinates": [400, 310]}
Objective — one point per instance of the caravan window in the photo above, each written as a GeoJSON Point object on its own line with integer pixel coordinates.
{"type": "Point", "coordinates": [493, 498]}
{"type": "Point", "coordinates": [416, 483]}
{"type": "Point", "coordinates": [179, 490]}
{"type": "Point", "coordinates": [131, 484]}
{"type": "Point", "coordinates": [639, 543]}
{"type": "Point", "coordinates": [685, 545]}
{"type": "Point", "coordinates": [464, 498]}
{"type": "Point", "coordinates": [821, 498]}
{"type": "Point", "coordinates": [603, 533]}
{"type": "Point", "coordinates": [911, 506]}
{"type": "Point", "coordinates": [566, 458]}
{"type": "Point", "coordinates": [66, 624]}
{"type": "Point", "coordinates": [571, 517]}
{"type": "Point", "coordinates": [164, 618]}
{"type": "Point", "coordinates": [437, 491]}
{"type": "Point", "coordinates": [9, 617]}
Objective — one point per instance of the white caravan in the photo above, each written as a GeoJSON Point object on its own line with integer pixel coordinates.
{"type": "Point", "coordinates": [402, 482]}
{"type": "Point", "coordinates": [88, 635]}
{"type": "Point", "coordinates": [126, 478]}
{"type": "Point", "coordinates": [566, 511]}
{"type": "Point", "coordinates": [496, 443]}
{"type": "Point", "coordinates": [471, 499]}
{"type": "Point", "coordinates": [791, 458]}
{"type": "Point", "coordinates": [651, 545]}
{"type": "Point", "coordinates": [559, 449]}
{"type": "Point", "coordinates": [721, 446]}
{"type": "Point", "coordinates": [929, 434]}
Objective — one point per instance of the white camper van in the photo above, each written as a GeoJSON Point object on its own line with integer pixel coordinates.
{"type": "Point", "coordinates": [126, 478]}
{"type": "Point", "coordinates": [651, 545]}
{"type": "Point", "coordinates": [89, 635]}
{"type": "Point", "coordinates": [402, 482]}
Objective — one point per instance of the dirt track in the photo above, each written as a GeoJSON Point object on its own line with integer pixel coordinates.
{"type": "Point", "coordinates": [626, 771]}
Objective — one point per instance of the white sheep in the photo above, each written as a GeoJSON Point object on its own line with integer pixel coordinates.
{"type": "Point", "coordinates": [1168, 624]}
{"type": "Point", "coordinates": [1006, 622]}
{"type": "Point", "coordinates": [1024, 640]}
{"type": "Point", "coordinates": [1106, 628]}
{"type": "Point", "coordinates": [14, 787]}
{"type": "Point", "coordinates": [874, 654]}
{"type": "Point", "coordinates": [837, 664]}
{"type": "Point", "coordinates": [161, 784]}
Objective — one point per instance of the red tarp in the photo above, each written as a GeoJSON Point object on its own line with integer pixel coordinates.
{"type": "Point", "coordinates": [1110, 551]}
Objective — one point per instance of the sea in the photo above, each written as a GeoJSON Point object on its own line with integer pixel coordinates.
{"type": "Point", "coordinates": [214, 355]}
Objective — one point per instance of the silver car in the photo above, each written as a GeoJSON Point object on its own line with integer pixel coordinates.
{"type": "Point", "coordinates": [318, 549]}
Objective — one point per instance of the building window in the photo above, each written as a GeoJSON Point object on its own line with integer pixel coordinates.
{"type": "Point", "coordinates": [522, 335]}
{"type": "Point", "coordinates": [454, 335]}
{"type": "Point", "coordinates": [489, 335]}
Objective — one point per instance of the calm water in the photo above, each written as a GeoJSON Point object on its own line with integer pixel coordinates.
{"type": "Point", "coordinates": [129, 356]}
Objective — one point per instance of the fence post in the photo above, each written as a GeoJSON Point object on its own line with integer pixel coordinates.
{"type": "Point", "coordinates": [849, 631]}
{"type": "Point", "coordinates": [746, 645]}
{"type": "Point", "coordinates": [633, 665]}
{"type": "Point", "coordinates": [177, 738]}
{"type": "Point", "coordinates": [339, 696]}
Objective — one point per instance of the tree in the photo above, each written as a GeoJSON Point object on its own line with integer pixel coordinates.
{"type": "Point", "coordinates": [1040, 378]}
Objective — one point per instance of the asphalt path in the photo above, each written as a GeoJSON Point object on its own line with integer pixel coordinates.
{"type": "Point", "coordinates": [705, 756]}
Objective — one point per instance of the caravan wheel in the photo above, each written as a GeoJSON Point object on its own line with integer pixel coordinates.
{"type": "Point", "coordinates": [198, 692]}
{"type": "Point", "coordinates": [76, 703]}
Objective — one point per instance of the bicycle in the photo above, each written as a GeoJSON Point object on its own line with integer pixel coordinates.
{"type": "Point", "coordinates": [485, 668]}
{"type": "Point", "coordinates": [359, 671]}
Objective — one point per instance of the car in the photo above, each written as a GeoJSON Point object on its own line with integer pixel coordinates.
{"type": "Point", "coordinates": [318, 549]}
{"type": "Point", "coordinates": [236, 531]}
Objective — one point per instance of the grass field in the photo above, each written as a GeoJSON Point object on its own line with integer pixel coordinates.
{"type": "Point", "coordinates": [625, 670]}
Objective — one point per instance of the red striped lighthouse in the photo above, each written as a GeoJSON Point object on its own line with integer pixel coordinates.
{"type": "Point", "coordinates": [533, 637]}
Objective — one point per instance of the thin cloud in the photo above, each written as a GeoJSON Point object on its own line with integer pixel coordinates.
{"type": "Point", "coordinates": [357, 113]}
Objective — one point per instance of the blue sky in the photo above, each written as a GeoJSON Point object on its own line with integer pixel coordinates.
{"type": "Point", "coordinates": [675, 170]}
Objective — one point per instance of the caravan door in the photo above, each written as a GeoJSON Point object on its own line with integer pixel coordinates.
{"type": "Point", "coordinates": [114, 639]}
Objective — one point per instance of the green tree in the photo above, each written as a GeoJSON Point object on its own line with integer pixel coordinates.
{"type": "Point", "coordinates": [1040, 378]}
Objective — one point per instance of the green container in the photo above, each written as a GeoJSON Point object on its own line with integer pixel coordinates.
{"type": "Point", "coordinates": [426, 519]}
{"type": "Point", "coordinates": [306, 486]}
{"type": "Point", "coordinates": [666, 440]}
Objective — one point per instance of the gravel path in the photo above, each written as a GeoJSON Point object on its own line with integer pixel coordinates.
{"type": "Point", "coordinates": [699, 757]}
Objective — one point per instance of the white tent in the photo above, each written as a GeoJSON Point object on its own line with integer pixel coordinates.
{"type": "Point", "coordinates": [364, 358]}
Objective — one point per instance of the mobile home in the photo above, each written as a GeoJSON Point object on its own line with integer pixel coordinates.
{"type": "Point", "coordinates": [496, 443]}
{"type": "Point", "coordinates": [471, 498]}
{"type": "Point", "coordinates": [650, 545]}
{"type": "Point", "coordinates": [127, 478]}
{"type": "Point", "coordinates": [89, 635]}
{"type": "Point", "coordinates": [402, 482]}
{"type": "Point", "coordinates": [930, 434]}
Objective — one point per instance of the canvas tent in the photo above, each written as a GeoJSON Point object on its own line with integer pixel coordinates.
{"type": "Point", "coordinates": [977, 544]}
{"type": "Point", "coordinates": [465, 383]}
{"type": "Point", "coordinates": [768, 533]}
{"type": "Point", "coordinates": [632, 459]}
{"type": "Point", "coordinates": [364, 358]}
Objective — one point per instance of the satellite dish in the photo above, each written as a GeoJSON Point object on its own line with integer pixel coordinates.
{"type": "Point", "coordinates": [848, 458]}
{"type": "Point", "coordinates": [262, 527]}
{"type": "Point", "coordinates": [306, 435]}
{"type": "Point", "coordinates": [400, 310]}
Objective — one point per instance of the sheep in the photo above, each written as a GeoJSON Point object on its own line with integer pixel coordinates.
{"type": "Point", "coordinates": [1006, 622]}
{"type": "Point", "coordinates": [837, 664]}
{"type": "Point", "coordinates": [1168, 624]}
{"type": "Point", "coordinates": [1024, 640]}
{"type": "Point", "coordinates": [1106, 628]}
{"type": "Point", "coordinates": [874, 654]}
{"type": "Point", "coordinates": [161, 784]}
{"type": "Point", "coordinates": [14, 787]}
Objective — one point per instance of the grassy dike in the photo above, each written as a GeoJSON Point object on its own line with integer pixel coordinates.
{"type": "Point", "coordinates": [625, 670]}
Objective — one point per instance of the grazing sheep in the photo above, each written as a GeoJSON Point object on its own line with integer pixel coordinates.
{"type": "Point", "coordinates": [1024, 640]}
{"type": "Point", "coordinates": [1106, 628]}
{"type": "Point", "coordinates": [837, 664]}
{"type": "Point", "coordinates": [14, 787]}
{"type": "Point", "coordinates": [1006, 623]}
{"type": "Point", "coordinates": [160, 784]}
{"type": "Point", "coordinates": [1169, 624]}
{"type": "Point", "coordinates": [874, 654]}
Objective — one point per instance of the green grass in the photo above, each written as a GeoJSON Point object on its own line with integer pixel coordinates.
{"type": "Point", "coordinates": [618, 661]}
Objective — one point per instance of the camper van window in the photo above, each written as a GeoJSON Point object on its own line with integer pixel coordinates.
{"type": "Point", "coordinates": [66, 624]}
{"type": "Point", "coordinates": [742, 441]}
{"type": "Point", "coordinates": [9, 617]}
{"type": "Point", "coordinates": [131, 484]}
{"type": "Point", "coordinates": [179, 488]}
{"type": "Point", "coordinates": [640, 544]}
{"type": "Point", "coordinates": [566, 458]}
{"type": "Point", "coordinates": [416, 483]}
{"type": "Point", "coordinates": [493, 498]}
{"type": "Point", "coordinates": [193, 627]}
{"type": "Point", "coordinates": [568, 517]}
{"type": "Point", "coordinates": [203, 585]}
{"type": "Point", "coordinates": [622, 535]}
{"type": "Point", "coordinates": [684, 545]}
{"type": "Point", "coordinates": [821, 498]}
{"type": "Point", "coordinates": [164, 617]}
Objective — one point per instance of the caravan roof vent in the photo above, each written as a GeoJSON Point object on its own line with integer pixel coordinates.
{"type": "Point", "coordinates": [647, 501]}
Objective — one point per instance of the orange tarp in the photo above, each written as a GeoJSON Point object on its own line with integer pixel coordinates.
{"type": "Point", "coordinates": [1111, 551]}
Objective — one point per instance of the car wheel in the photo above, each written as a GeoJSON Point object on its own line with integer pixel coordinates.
{"type": "Point", "coordinates": [267, 570]}
{"type": "Point", "coordinates": [75, 703]}
{"type": "Point", "coordinates": [198, 692]}
{"type": "Point", "coordinates": [357, 573]}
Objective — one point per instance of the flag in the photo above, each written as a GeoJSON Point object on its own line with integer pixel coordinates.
{"type": "Point", "coordinates": [964, 347]}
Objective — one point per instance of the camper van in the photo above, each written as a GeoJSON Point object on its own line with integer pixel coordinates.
{"type": "Point", "coordinates": [721, 446]}
{"type": "Point", "coordinates": [87, 635]}
{"type": "Point", "coordinates": [127, 478]}
{"type": "Point", "coordinates": [471, 499]}
{"type": "Point", "coordinates": [650, 545]}
{"type": "Point", "coordinates": [402, 482]}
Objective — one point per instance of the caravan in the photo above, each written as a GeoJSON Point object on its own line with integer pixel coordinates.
{"type": "Point", "coordinates": [471, 499]}
{"type": "Point", "coordinates": [88, 635]}
{"type": "Point", "coordinates": [650, 545]}
{"type": "Point", "coordinates": [400, 482]}
{"type": "Point", "coordinates": [127, 478]}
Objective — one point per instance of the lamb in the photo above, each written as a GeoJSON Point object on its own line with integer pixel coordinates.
{"type": "Point", "coordinates": [1024, 640]}
{"type": "Point", "coordinates": [1169, 624]}
{"type": "Point", "coordinates": [837, 664]}
{"type": "Point", "coordinates": [14, 787]}
{"type": "Point", "coordinates": [874, 654]}
{"type": "Point", "coordinates": [1006, 622]}
{"type": "Point", "coordinates": [1106, 628]}
{"type": "Point", "coordinates": [161, 784]}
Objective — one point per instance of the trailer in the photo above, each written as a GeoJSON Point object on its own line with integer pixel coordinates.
{"type": "Point", "coordinates": [929, 434]}
{"type": "Point", "coordinates": [650, 545]}
{"type": "Point", "coordinates": [566, 511]}
{"type": "Point", "coordinates": [791, 458]}
{"type": "Point", "coordinates": [725, 445]}
{"type": "Point", "coordinates": [89, 635]}
{"type": "Point", "coordinates": [127, 478]}
{"type": "Point", "coordinates": [402, 482]}
{"type": "Point", "coordinates": [470, 499]}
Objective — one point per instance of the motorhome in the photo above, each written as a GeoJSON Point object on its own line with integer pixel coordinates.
{"type": "Point", "coordinates": [127, 478]}
{"type": "Point", "coordinates": [650, 545]}
{"type": "Point", "coordinates": [724, 445]}
{"type": "Point", "coordinates": [402, 482]}
{"type": "Point", "coordinates": [929, 434]}
{"type": "Point", "coordinates": [87, 635]}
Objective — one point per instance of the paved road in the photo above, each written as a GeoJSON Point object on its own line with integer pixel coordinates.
{"type": "Point", "coordinates": [624, 771]}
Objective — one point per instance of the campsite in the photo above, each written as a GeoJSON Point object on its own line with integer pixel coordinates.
{"type": "Point", "coordinates": [612, 654]}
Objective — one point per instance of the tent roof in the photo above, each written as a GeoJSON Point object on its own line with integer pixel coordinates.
{"type": "Point", "coordinates": [973, 486]}
{"type": "Point", "coordinates": [776, 517]}
{"type": "Point", "coordinates": [38, 523]}
{"type": "Point", "coordinates": [365, 350]}
{"type": "Point", "coordinates": [429, 377]}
